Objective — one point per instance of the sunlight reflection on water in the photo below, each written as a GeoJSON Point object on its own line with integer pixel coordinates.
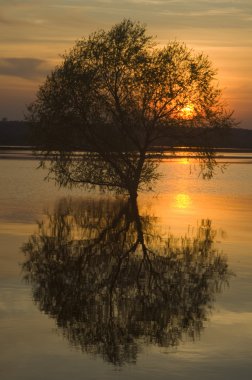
{"type": "Point", "coordinates": [32, 340]}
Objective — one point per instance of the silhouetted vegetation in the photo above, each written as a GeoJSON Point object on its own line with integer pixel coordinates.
{"type": "Point", "coordinates": [113, 281]}
{"type": "Point", "coordinates": [17, 133]}
{"type": "Point", "coordinates": [118, 94]}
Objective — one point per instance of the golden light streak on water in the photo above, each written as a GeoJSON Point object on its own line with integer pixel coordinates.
{"type": "Point", "coordinates": [182, 201]}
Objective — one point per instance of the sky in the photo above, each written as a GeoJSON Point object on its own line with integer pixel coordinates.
{"type": "Point", "coordinates": [34, 35]}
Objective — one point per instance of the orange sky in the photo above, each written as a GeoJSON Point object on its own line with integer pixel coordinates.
{"type": "Point", "coordinates": [34, 33]}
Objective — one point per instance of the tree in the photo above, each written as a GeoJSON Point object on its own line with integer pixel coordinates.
{"type": "Point", "coordinates": [115, 96]}
{"type": "Point", "coordinates": [112, 282]}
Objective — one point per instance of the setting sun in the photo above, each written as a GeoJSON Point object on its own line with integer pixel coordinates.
{"type": "Point", "coordinates": [187, 112]}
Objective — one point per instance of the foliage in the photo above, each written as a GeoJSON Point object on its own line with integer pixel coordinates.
{"type": "Point", "coordinates": [117, 95]}
{"type": "Point", "coordinates": [112, 281]}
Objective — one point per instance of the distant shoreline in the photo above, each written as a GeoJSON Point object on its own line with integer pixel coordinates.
{"type": "Point", "coordinates": [17, 135]}
{"type": "Point", "coordinates": [26, 153]}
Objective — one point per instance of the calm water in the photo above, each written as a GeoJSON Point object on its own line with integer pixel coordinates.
{"type": "Point", "coordinates": [176, 305]}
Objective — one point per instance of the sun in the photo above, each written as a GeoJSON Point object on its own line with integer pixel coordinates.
{"type": "Point", "coordinates": [187, 112]}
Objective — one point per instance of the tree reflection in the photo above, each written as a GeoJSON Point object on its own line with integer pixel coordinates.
{"type": "Point", "coordinates": [113, 281]}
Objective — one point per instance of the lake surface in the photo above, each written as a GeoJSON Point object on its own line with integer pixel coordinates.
{"type": "Point", "coordinates": [176, 305]}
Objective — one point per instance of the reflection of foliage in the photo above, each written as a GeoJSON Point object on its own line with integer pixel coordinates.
{"type": "Point", "coordinates": [110, 280]}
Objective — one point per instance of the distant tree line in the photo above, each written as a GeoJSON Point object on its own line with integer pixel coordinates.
{"type": "Point", "coordinates": [17, 133]}
{"type": "Point", "coordinates": [14, 133]}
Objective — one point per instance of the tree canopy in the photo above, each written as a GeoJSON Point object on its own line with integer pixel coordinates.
{"type": "Point", "coordinates": [112, 281]}
{"type": "Point", "coordinates": [117, 95]}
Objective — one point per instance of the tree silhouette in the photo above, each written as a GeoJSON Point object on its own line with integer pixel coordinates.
{"type": "Point", "coordinates": [116, 95]}
{"type": "Point", "coordinates": [112, 281]}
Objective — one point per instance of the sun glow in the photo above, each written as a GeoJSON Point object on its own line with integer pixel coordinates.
{"type": "Point", "coordinates": [187, 112]}
{"type": "Point", "coordinates": [182, 201]}
{"type": "Point", "coordinates": [184, 161]}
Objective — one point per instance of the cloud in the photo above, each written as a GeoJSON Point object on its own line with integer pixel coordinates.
{"type": "Point", "coordinates": [28, 68]}
{"type": "Point", "coordinates": [73, 17]}
{"type": "Point", "coordinates": [41, 30]}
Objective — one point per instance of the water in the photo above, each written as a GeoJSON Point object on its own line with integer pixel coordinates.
{"type": "Point", "coordinates": [49, 334]}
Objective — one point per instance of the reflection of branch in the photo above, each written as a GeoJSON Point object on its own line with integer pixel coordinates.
{"type": "Point", "coordinates": [118, 284]}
